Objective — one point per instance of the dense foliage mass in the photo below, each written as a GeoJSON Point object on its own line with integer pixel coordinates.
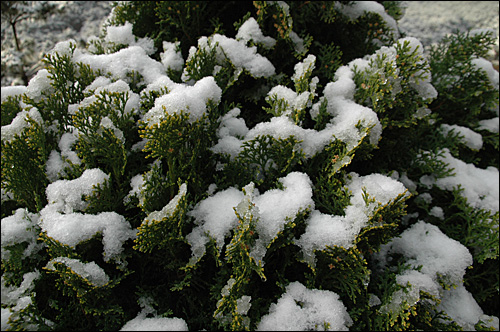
{"type": "Point", "coordinates": [253, 166]}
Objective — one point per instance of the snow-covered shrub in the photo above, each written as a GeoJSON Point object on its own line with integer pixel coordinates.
{"type": "Point", "coordinates": [252, 166]}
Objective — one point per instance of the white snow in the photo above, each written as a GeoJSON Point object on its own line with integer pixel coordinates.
{"type": "Point", "coordinates": [123, 35]}
{"type": "Point", "coordinates": [11, 294]}
{"type": "Point", "coordinates": [19, 123]}
{"type": "Point", "coordinates": [288, 95]}
{"type": "Point", "coordinates": [168, 210]}
{"type": "Point", "coordinates": [459, 304]}
{"type": "Point", "coordinates": [68, 193]}
{"type": "Point", "coordinates": [461, 307]}
{"type": "Point", "coordinates": [276, 207]}
{"type": "Point", "coordinates": [243, 304]}
{"type": "Point", "coordinates": [61, 223]}
{"type": "Point", "coordinates": [250, 31]}
{"type": "Point", "coordinates": [480, 185]}
{"type": "Point", "coordinates": [171, 56]}
{"type": "Point", "coordinates": [214, 217]}
{"type": "Point", "coordinates": [18, 228]}
{"type": "Point", "coordinates": [294, 100]}
{"type": "Point", "coordinates": [417, 282]}
{"type": "Point", "coordinates": [359, 8]}
{"type": "Point", "coordinates": [423, 86]}
{"type": "Point", "coordinates": [347, 115]}
{"type": "Point", "coordinates": [120, 34]}
{"type": "Point", "coordinates": [132, 58]}
{"type": "Point", "coordinates": [437, 212]}
{"type": "Point", "coordinates": [301, 68]}
{"type": "Point", "coordinates": [470, 138]}
{"type": "Point", "coordinates": [73, 228]}
{"type": "Point", "coordinates": [136, 182]}
{"type": "Point", "coordinates": [18, 298]}
{"type": "Point", "coordinates": [143, 323]}
{"type": "Point", "coordinates": [236, 51]}
{"type": "Point", "coordinates": [56, 164]}
{"type": "Point", "coordinates": [190, 99]}
{"type": "Point", "coordinates": [328, 230]}
{"type": "Point", "coordinates": [490, 125]}
{"type": "Point", "coordinates": [15, 90]}
{"type": "Point", "coordinates": [92, 272]}
{"type": "Point", "coordinates": [426, 245]}
{"type": "Point", "coordinates": [232, 126]}
{"type": "Point", "coordinates": [302, 309]}
{"type": "Point", "coordinates": [103, 84]}
{"type": "Point", "coordinates": [487, 67]}
{"type": "Point", "coordinates": [99, 82]}
{"type": "Point", "coordinates": [441, 260]}
{"type": "Point", "coordinates": [161, 82]}
{"type": "Point", "coordinates": [422, 244]}
{"type": "Point", "coordinates": [40, 82]}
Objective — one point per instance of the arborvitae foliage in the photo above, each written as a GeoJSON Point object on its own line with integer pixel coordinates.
{"type": "Point", "coordinates": [196, 168]}
{"type": "Point", "coordinates": [23, 166]}
{"type": "Point", "coordinates": [471, 90]}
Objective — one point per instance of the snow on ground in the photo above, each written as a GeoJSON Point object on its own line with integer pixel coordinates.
{"type": "Point", "coordinates": [78, 20]}
{"type": "Point", "coordinates": [429, 21]}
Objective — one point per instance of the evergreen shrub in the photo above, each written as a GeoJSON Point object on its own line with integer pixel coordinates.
{"type": "Point", "coordinates": [262, 165]}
